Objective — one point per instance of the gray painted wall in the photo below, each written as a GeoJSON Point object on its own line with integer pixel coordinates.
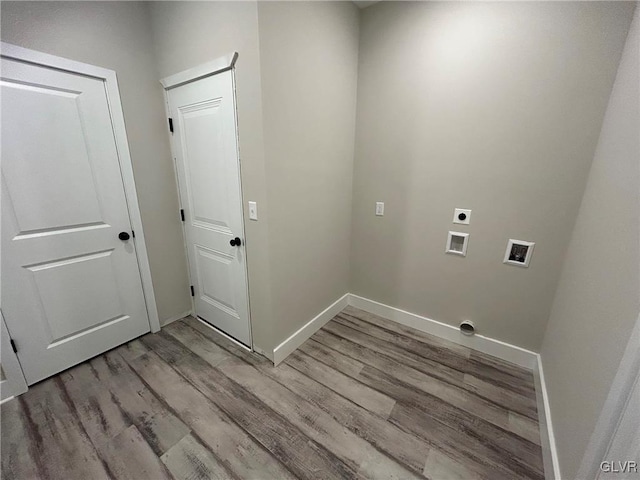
{"type": "Point", "coordinates": [494, 107]}
{"type": "Point", "coordinates": [296, 122]}
{"type": "Point", "coordinates": [598, 297]}
{"type": "Point", "coordinates": [308, 59]}
{"type": "Point", "coordinates": [117, 35]}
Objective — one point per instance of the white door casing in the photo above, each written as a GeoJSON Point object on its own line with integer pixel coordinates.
{"type": "Point", "coordinates": [71, 289]}
{"type": "Point", "coordinates": [205, 147]}
{"type": "Point", "coordinates": [12, 380]}
{"type": "Point", "coordinates": [615, 441]}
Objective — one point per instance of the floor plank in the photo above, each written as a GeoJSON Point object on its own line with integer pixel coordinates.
{"type": "Point", "coordinates": [425, 365]}
{"type": "Point", "coordinates": [518, 454]}
{"type": "Point", "coordinates": [523, 404]}
{"type": "Point", "coordinates": [318, 425]}
{"type": "Point", "coordinates": [464, 450]}
{"type": "Point", "coordinates": [137, 404]}
{"type": "Point", "coordinates": [355, 391]}
{"type": "Point", "coordinates": [239, 451]}
{"type": "Point", "coordinates": [451, 394]}
{"type": "Point", "coordinates": [99, 414]}
{"type": "Point", "coordinates": [363, 398]}
{"type": "Point", "coordinates": [130, 457]}
{"type": "Point", "coordinates": [405, 448]}
{"type": "Point", "coordinates": [304, 457]}
{"type": "Point", "coordinates": [407, 331]}
{"type": "Point", "coordinates": [20, 458]}
{"type": "Point", "coordinates": [189, 459]}
{"type": "Point", "coordinates": [61, 444]}
{"type": "Point", "coordinates": [506, 443]}
{"type": "Point", "coordinates": [497, 372]}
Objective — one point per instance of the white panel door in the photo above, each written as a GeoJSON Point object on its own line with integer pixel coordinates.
{"type": "Point", "coordinates": [71, 288]}
{"type": "Point", "coordinates": [205, 145]}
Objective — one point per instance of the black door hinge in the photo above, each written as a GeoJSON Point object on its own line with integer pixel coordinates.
{"type": "Point", "coordinates": [13, 345]}
{"type": "Point", "coordinates": [182, 214]}
{"type": "Point", "coordinates": [171, 125]}
{"type": "Point", "coordinates": [193, 293]}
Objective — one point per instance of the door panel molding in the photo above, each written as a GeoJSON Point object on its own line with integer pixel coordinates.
{"type": "Point", "coordinates": [109, 78]}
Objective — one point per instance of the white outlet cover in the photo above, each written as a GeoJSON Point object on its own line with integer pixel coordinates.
{"type": "Point", "coordinates": [466, 212]}
{"type": "Point", "coordinates": [379, 209]}
{"type": "Point", "coordinates": [253, 211]}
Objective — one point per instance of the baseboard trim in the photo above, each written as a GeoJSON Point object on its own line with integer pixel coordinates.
{"type": "Point", "coordinates": [549, 452]}
{"type": "Point", "coordinates": [312, 326]}
{"type": "Point", "coordinates": [505, 351]}
{"type": "Point", "coordinates": [175, 318]}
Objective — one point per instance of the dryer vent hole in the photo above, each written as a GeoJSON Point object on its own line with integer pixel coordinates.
{"type": "Point", "coordinates": [467, 328]}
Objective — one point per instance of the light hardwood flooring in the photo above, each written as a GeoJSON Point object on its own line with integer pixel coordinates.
{"type": "Point", "coordinates": [363, 398]}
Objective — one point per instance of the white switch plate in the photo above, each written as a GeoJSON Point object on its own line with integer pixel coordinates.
{"type": "Point", "coordinates": [457, 212]}
{"type": "Point", "coordinates": [379, 209]}
{"type": "Point", "coordinates": [253, 211]}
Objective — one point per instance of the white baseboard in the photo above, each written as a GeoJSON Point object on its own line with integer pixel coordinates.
{"type": "Point", "coordinates": [549, 452]}
{"type": "Point", "coordinates": [505, 351]}
{"type": "Point", "coordinates": [312, 326]}
{"type": "Point", "coordinates": [175, 318]}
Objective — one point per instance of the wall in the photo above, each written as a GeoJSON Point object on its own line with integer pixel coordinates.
{"type": "Point", "coordinates": [117, 35]}
{"type": "Point", "coordinates": [308, 59]}
{"type": "Point", "coordinates": [494, 107]}
{"type": "Point", "coordinates": [598, 297]}
{"type": "Point", "coordinates": [187, 34]}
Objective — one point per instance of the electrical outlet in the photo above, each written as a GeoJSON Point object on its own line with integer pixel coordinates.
{"type": "Point", "coordinates": [462, 216]}
{"type": "Point", "coordinates": [379, 209]}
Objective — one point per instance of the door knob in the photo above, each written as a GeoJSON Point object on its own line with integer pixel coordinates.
{"type": "Point", "coordinates": [124, 236]}
{"type": "Point", "coordinates": [235, 242]}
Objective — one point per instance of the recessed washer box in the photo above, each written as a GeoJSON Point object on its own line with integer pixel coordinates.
{"type": "Point", "coordinates": [462, 216]}
{"type": "Point", "coordinates": [457, 243]}
{"type": "Point", "coordinates": [518, 252]}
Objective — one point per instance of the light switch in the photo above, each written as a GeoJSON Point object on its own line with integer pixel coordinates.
{"type": "Point", "coordinates": [253, 211]}
{"type": "Point", "coordinates": [462, 216]}
{"type": "Point", "coordinates": [379, 209]}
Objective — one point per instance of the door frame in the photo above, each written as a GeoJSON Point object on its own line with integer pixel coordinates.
{"type": "Point", "coordinates": [218, 65]}
{"type": "Point", "coordinates": [110, 80]}
{"type": "Point", "coordinates": [617, 402]}
{"type": "Point", "coordinates": [14, 383]}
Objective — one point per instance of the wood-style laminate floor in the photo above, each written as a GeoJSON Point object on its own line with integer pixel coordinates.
{"type": "Point", "coordinates": [363, 398]}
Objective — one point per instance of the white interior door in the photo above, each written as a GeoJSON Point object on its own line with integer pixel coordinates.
{"type": "Point", "coordinates": [71, 288]}
{"type": "Point", "coordinates": [205, 145]}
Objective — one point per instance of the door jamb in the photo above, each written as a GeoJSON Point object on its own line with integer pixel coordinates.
{"type": "Point", "coordinates": [199, 72]}
{"type": "Point", "coordinates": [14, 383]}
{"type": "Point", "coordinates": [110, 80]}
{"type": "Point", "coordinates": [613, 408]}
